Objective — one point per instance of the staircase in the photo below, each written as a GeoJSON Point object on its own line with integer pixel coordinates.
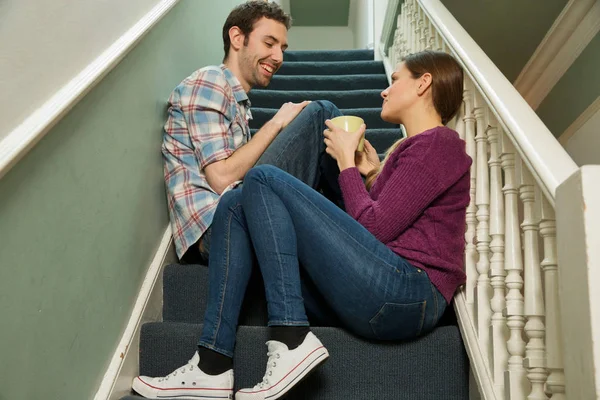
{"type": "Point", "coordinates": [434, 367]}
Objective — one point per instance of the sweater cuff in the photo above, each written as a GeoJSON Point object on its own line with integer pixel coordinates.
{"type": "Point", "coordinates": [352, 186]}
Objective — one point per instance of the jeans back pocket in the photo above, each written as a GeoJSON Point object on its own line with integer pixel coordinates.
{"type": "Point", "coordinates": [396, 321]}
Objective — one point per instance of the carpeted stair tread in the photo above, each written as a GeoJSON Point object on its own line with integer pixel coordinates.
{"type": "Point", "coordinates": [328, 82]}
{"type": "Point", "coordinates": [341, 98]}
{"type": "Point", "coordinates": [331, 55]}
{"type": "Point", "coordinates": [434, 366]}
{"type": "Point", "coordinates": [370, 115]}
{"type": "Point", "coordinates": [332, 68]}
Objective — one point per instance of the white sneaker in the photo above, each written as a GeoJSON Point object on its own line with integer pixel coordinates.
{"type": "Point", "coordinates": [187, 382]}
{"type": "Point", "coordinates": [285, 368]}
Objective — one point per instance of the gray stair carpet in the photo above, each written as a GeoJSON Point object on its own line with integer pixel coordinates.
{"type": "Point", "coordinates": [433, 367]}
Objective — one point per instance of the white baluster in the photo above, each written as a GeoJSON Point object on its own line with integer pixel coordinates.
{"type": "Point", "coordinates": [555, 384]}
{"type": "Point", "coordinates": [422, 26]}
{"type": "Point", "coordinates": [439, 42]}
{"type": "Point", "coordinates": [405, 29]}
{"type": "Point", "coordinates": [459, 121]}
{"type": "Point", "coordinates": [431, 37]}
{"type": "Point", "coordinates": [499, 330]}
{"type": "Point", "coordinates": [535, 351]}
{"type": "Point", "coordinates": [417, 28]}
{"type": "Point", "coordinates": [514, 377]}
{"type": "Point", "coordinates": [482, 201]}
{"type": "Point", "coordinates": [412, 48]}
{"type": "Point", "coordinates": [470, 248]}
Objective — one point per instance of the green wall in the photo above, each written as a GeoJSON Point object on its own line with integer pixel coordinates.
{"type": "Point", "coordinates": [575, 91]}
{"type": "Point", "coordinates": [320, 12]}
{"type": "Point", "coordinates": [508, 31]}
{"type": "Point", "coordinates": [82, 214]}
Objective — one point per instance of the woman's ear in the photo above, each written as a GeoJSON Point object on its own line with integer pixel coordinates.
{"type": "Point", "coordinates": [424, 83]}
{"type": "Point", "coordinates": [236, 36]}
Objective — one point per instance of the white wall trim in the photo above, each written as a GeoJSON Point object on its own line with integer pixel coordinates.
{"type": "Point", "coordinates": [580, 122]}
{"type": "Point", "coordinates": [570, 33]}
{"type": "Point", "coordinates": [148, 307]}
{"type": "Point", "coordinates": [476, 356]}
{"type": "Point", "coordinates": [21, 139]}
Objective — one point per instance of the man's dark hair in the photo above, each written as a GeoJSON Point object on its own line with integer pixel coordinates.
{"type": "Point", "coordinates": [245, 16]}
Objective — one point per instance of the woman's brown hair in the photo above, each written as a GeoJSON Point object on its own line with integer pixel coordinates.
{"type": "Point", "coordinates": [446, 90]}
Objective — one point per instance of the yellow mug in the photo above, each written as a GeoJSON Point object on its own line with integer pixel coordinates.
{"type": "Point", "coordinates": [350, 123]}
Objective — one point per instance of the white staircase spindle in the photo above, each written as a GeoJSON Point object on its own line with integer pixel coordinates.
{"type": "Point", "coordinates": [439, 42]}
{"type": "Point", "coordinates": [555, 384]}
{"type": "Point", "coordinates": [499, 331]}
{"type": "Point", "coordinates": [471, 220]}
{"type": "Point", "coordinates": [482, 201]}
{"type": "Point", "coordinates": [413, 28]}
{"type": "Point", "coordinates": [431, 36]}
{"type": "Point", "coordinates": [535, 361]}
{"type": "Point", "coordinates": [422, 29]}
{"type": "Point", "coordinates": [514, 377]}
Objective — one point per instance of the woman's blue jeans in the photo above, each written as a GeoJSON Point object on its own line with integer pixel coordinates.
{"type": "Point", "coordinates": [287, 225]}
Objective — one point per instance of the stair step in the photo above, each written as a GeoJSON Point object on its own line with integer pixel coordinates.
{"type": "Point", "coordinates": [341, 98]}
{"type": "Point", "coordinates": [434, 366]}
{"type": "Point", "coordinates": [370, 115]}
{"type": "Point", "coordinates": [381, 139]}
{"type": "Point", "coordinates": [328, 82]}
{"type": "Point", "coordinates": [185, 289]}
{"type": "Point", "coordinates": [331, 68]}
{"type": "Point", "coordinates": [329, 55]}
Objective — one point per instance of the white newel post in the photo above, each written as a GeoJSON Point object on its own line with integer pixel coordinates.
{"type": "Point", "coordinates": [578, 237]}
{"type": "Point", "coordinates": [498, 330]}
{"type": "Point", "coordinates": [514, 378]}
{"type": "Point", "coordinates": [482, 201]}
{"type": "Point", "coordinates": [471, 219]}
{"type": "Point", "coordinates": [555, 384]}
{"type": "Point", "coordinates": [535, 351]}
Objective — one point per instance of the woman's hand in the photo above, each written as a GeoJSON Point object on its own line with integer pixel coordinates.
{"type": "Point", "coordinates": [341, 145]}
{"type": "Point", "coordinates": [367, 160]}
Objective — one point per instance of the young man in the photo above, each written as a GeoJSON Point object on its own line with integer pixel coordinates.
{"type": "Point", "coordinates": [207, 146]}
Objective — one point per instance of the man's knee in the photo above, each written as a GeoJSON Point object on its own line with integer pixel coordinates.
{"type": "Point", "coordinates": [230, 199]}
{"type": "Point", "coordinates": [327, 108]}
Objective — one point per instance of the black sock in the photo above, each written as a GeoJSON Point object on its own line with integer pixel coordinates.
{"type": "Point", "coordinates": [291, 336]}
{"type": "Point", "coordinates": [213, 363]}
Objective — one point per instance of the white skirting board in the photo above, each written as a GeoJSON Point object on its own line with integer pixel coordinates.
{"type": "Point", "coordinates": [148, 308]}
{"type": "Point", "coordinates": [479, 377]}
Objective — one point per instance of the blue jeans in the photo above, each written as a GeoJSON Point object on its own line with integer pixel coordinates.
{"type": "Point", "coordinates": [299, 150]}
{"type": "Point", "coordinates": [288, 225]}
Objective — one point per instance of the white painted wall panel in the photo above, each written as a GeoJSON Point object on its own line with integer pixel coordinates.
{"type": "Point", "coordinates": [44, 44]}
{"type": "Point", "coordinates": [584, 145]}
{"type": "Point", "coordinates": [320, 38]}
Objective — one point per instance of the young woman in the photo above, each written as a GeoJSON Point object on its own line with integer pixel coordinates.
{"type": "Point", "coordinates": [387, 266]}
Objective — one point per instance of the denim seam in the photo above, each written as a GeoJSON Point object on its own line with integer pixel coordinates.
{"type": "Point", "coordinates": [262, 197]}
{"type": "Point", "coordinates": [333, 222]}
{"type": "Point", "coordinates": [288, 323]}
{"type": "Point", "coordinates": [224, 286]}
{"type": "Point", "coordinates": [215, 348]}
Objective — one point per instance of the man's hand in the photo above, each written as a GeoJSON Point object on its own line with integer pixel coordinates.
{"type": "Point", "coordinates": [287, 113]}
{"type": "Point", "coordinates": [368, 160]}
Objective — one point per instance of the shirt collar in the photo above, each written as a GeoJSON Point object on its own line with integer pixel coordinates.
{"type": "Point", "coordinates": [238, 91]}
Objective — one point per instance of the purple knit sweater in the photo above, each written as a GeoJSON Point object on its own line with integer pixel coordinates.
{"type": "Point", "coordinates": [417, 205]}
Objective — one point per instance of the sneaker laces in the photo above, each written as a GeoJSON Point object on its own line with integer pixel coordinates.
{"type": "Point", "coordinates": [271, 363]}
{"type": "Point", "coordinates": [189, 366]}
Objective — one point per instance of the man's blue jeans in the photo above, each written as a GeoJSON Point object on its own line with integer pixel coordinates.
{"type": "Point", "coordinates": [299, 150]}
{"type": "Point", "coordinates": [288, 225]}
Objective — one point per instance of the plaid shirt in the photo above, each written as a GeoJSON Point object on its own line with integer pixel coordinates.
{"type": "Point", "coordinates": [208, 121]}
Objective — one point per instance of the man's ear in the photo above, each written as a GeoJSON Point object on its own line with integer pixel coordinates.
{"type": "Point", "coordinates": [424, 83]}
{"type": "Point", "coordinates": [236, 36]}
